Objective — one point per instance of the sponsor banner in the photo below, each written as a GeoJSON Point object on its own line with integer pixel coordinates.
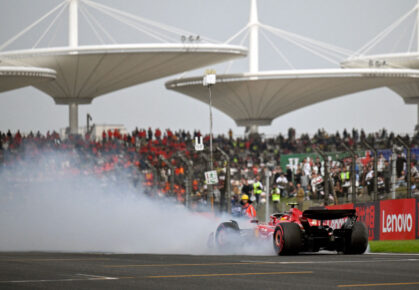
{"type": "Point", "coordinates": [417, 222]}
{"type": "Point", "coordinates": [398, 219]}
{"type": "Point", "coordinates": [386, 220]}
{"type": "Point", "coordinates": [387, 153]}
{"type": "Point", "coordinates": [293, 160]}
{"type": "Point", "coordinates": [368, 214]}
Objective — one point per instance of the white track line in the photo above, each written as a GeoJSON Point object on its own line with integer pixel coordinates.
{"type": "Point", "coordinates": [393, 254]}
{"type": "Point", "coordinates": [88, 278]}
{"type": "Point", "coordinates": [333, 262]}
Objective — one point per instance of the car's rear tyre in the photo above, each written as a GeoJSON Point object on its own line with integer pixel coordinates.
{"type": "Point", "coordinates": [357, 242]}
{"type": "Point", "coordinates": [287, 239]}
{"type": "Point", "coordinates": [227, 235]}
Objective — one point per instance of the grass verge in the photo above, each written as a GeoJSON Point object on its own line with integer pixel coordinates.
{"type": "Point", "coordinates": [406, 246]}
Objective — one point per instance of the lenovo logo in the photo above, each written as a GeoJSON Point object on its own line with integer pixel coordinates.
{"type": "Point", "coordinates": [396, 223]}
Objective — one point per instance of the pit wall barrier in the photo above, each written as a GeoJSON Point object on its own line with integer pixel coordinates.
{"type": "Point", "coordinates": [395, 219]}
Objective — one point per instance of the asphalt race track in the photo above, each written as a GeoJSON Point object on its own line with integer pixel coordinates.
{"type": "Point", "coordinates": [139, 271]}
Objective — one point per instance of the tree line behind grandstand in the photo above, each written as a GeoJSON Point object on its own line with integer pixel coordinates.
{"type": "Point", "coordinates": [151, 160]}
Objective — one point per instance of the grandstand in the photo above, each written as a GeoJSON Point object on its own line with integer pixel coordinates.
{"type": "Point", "coordinates": [153, 162]}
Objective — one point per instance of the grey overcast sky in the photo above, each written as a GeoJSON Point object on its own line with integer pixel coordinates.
{"type": "Point", "coordinates": [345, 23]}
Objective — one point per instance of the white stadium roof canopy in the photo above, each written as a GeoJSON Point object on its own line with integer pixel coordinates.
{"type": "Point", "coordinates": [13, 77]}
{"type": "Point", "coordinates": [258, 98]}
{"type": "Point", "coordinates": [86, 72]}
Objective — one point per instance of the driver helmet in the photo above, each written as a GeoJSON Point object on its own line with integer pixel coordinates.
{"type": "Point", "coordinates": [245, 198]}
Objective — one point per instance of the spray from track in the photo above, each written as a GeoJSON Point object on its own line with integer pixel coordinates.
{"type": "Point", "coordinates": [89, 214]}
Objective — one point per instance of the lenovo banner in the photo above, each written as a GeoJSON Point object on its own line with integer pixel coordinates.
{"type": "Point", "coordinates": [398, 219]}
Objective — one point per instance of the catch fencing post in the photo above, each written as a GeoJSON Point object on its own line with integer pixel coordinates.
{"type": "Point", "coordinates": [154, 170]}
{"type": "Point", "coordinates": [369, 146]}
{"type": "Point", "coordinates": [408, 173]}
{"type": "Point", "coordinates": [353, 173]}
{"type": "Point", "coordinates": [209, 186]}
{"type": "Point", "coordinates": [393, 172]}
{"type": "Point", "coordinates": [326, 175]}
{"type": "Point", "coordinates": [172, 173]}
{"type": "Point", "coordinates": [267, 174]}
{"type": "Point", "coordinates": [227, 186]}
{"type": "Point", "coordinates": [188, 181]}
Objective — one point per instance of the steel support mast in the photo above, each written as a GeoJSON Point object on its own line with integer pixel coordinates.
{"type": "Point", "coordinates": [73, 42]}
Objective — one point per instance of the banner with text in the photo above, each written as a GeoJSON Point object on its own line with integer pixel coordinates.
{"type": "Point", "coordinates": [395, 219]}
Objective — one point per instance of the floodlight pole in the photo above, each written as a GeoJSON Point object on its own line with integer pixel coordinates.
{"type": "Point", "coordinates": [208, 81]}
{"type": "Point", "coordinates": [210, 119]}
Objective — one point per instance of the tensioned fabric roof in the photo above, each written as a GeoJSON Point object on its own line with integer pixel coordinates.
{"type": "Point", "coordinates": [259, 98]}
{"type": "Point", "coordinates": [18, 77]}
{"type": "Point", "coordinates": [86, 72]}
{"type": "Point", "coordinates": [389, 60]}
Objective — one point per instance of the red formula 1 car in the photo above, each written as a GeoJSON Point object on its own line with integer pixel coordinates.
{"type": "Point", "coordinates": [295, 231]}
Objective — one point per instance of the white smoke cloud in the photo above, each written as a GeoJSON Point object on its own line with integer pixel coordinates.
{"type": "Point", "coordinates": [84, 213]}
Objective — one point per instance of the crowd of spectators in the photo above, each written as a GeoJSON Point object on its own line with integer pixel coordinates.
{"type": "Point", "coordinates": [158, 160]}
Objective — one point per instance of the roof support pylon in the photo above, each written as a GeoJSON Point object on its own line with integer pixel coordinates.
{"type": "Point", "coordinates": [74, 118]}
{"type": "Point", "coordinates": [73, 25]}
{"type": "Point", "coordinates": [254, 38]}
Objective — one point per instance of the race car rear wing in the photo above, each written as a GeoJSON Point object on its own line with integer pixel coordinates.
{"type": "Point", "coordinates": [328, 214]}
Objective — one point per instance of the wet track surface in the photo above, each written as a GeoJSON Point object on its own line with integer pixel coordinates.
{"type": "Point", "coordinates": [139, 271]}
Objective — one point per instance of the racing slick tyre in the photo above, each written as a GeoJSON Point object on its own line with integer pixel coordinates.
{"type": "Point", "coordinates": [227, 235]}
{"type": "Point", "coordinates": [287, 239]}
{"type": "Point", "coordinates": [357, 241]}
